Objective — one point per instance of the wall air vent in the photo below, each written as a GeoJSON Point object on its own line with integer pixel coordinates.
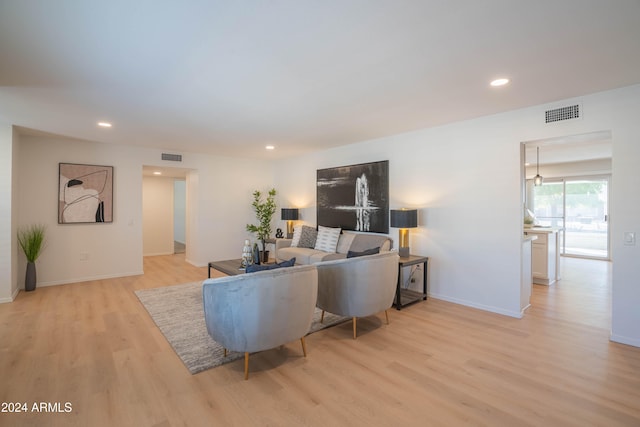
{"type": "Point", "coordinates": [172, 157]}
{"type": "Point", "coordinates": [563, 113]}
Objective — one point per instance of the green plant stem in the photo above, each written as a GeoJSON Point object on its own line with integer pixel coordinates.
{"type": "Point", "coordinates": [264, 213]}
{"type": "Point", "coordinates": [31, 240]}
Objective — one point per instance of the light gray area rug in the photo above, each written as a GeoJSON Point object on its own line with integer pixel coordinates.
{"type": "Point", "coordinates": [177, 311]}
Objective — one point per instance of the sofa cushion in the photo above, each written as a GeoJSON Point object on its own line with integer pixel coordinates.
{"type": "Point", "coordinates": [354, 254]}
{"type": "Point", "coordinates": [327, 240]}
{"type": "Point", "coordinates": [345, 241]}
{"type": "Point", "coordinates": [321, 256]}
{"type": "Point", "coordinates": [302, 255]}
{"type": "Point", "coordinates": [348, 241]}
{"type": "Point", "coordinates": [367, 241]}
{"type": "Point", "coordinates": [262, 267]}
{"type": "Point", "coordinates": [308, 237]}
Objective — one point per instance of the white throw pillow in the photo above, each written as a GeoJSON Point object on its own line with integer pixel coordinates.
{"type": "Point", "coordinates": [297, 232]}
{"type": "Point", "coordinates": [327, 240]}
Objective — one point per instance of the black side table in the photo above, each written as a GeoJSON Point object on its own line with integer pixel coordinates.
{"type": "Point", "coordinates": [408, 296]}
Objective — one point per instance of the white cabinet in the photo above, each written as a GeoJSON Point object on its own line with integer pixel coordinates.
{"type": "Point", "coordinates": [544, 256]}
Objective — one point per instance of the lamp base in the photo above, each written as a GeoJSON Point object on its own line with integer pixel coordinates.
{"type": "Point", "coordinates": [403, 251]}
{"type": "Point", "coordinates": [289, 229]}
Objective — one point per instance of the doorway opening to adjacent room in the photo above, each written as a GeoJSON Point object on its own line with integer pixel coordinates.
{"type": "Point", "coordinates": [573, 197]}
{"type": "Point", "coordinates": [574, 193]}
{"type": "Point", "coordinates": [179, 216]}
{"type": "Point", "coordinates": [164, 210]}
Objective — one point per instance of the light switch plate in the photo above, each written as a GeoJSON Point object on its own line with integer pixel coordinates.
{"type": "Point", "coordinates": [630, 238]}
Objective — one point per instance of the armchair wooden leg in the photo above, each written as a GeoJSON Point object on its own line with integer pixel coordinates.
{"type": "Point", "coordinates": [354, 328]}
{"type": "Point", "coordinates": [304, 347]}
{"type": "Point", "coordinates": [322, 317]}
{"type": "Point", "coordinates": [246, 365]}
{"type": "Point", "coordinates": [386, 313]}
{"type": "Point", "coordinates": [225, 352]}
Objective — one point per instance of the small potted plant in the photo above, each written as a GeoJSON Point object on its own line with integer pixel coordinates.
{"type": "Point", "coordinates": [529, 218]}
{"type": "Point", "coordinates": [264, 209]}
{"type": "Point", "coordinates": [31, 240]}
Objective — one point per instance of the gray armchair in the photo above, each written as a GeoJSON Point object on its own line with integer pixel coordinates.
{"type": "Point", "coordinates": [258, 311]}
{"type": "Point", "coordinates": [358, 287]}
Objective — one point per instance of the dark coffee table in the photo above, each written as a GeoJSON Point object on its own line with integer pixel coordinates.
{"type": "Point", "coordinates": [231, 267]}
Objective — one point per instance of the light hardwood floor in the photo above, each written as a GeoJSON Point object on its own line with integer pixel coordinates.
{"type": "Point", "coordinates": [94, 345]}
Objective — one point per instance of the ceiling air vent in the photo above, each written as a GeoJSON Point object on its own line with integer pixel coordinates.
{"type": "Point", "coordinates": [172, 157]}
{"type": "Point", "coordinates": [563, 113]}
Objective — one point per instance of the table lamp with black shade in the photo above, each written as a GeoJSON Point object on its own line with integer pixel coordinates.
{"type": "Point", "coordinates": [404, 219]}
{"type": "Point", "coordinates": [289, 215]}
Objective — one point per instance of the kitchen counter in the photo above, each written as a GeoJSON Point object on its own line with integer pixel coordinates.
{"type": "Point", "coordinates": [543, 229]}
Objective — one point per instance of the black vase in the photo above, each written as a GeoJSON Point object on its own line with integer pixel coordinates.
{"type": "Point", "coordinates": [265, 256]}
{"type": "Point", "coordinates": [30, 277]}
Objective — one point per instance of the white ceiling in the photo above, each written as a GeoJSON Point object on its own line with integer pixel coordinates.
{"type": "Point", "coordinates": [230, 77]}
{"type": "Point", "coordinates": [570, 148]}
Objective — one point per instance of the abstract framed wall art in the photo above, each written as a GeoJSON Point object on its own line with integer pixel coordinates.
{"type": "Point", "coordinates": [354, 197]}
{"type": "Point", "coordinates": [85, 193]}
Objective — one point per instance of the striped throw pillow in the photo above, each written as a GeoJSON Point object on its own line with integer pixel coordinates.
{"type": "Point", "coordinates": [327, 239]}
{"type": "Point", "coordinates": [297, 232]}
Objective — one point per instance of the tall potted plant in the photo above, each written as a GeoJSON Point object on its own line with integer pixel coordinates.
{"type": "Point", "coordinates": [264, 209]}
{"type": "Point", "coordinates": [31, 240]}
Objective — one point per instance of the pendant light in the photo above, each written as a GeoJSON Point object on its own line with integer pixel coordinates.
{"type": "Point", "coordinates": [537, 180]}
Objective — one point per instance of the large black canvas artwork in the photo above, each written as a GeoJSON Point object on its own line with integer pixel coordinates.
{"type": "Point", "coordinates": [354, 197]}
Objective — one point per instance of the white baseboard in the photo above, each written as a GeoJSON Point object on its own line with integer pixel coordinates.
{"type": "Point", "coordinates": [159, 254]}
{"type": "Point", "coordinates": [195, 264]}
{"type": "Point", "coordinates": [625, 340]}
{"type": "Point", "coordinates": [12, 298]}
{"type": "Point", "coordinates": [516, 314]}
{"type": "Point", "coordinates": [88, 279]}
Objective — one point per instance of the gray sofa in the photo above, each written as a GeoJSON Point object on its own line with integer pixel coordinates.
{"type": "Point", "coordinates": [348, 241]}
{"type": "Point", "coordinates": [262, 310]}
{"type": "Point", "coordinates": [358, 287]}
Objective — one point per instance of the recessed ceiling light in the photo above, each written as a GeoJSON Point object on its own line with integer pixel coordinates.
{"type": "Point", "coordinates": [270, 147]}
{"type": "Point", "coordinates": [499, 82]}
{"type": "Point", "coordinates": [157, 173]}
{"type": "Point", "coordinates": [104, 124]}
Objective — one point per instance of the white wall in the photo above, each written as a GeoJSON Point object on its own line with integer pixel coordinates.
{"type": "Point", "coordinates": [112, 249]}
{"type": "Point", "coordinates": [448, 173]}
{"type": "Point", "coordinates": [219, 206]}
{"type": "Point", "coordinates": [157, 216]}
{"type": "Point", "coordinates": [218, 217]}
{"type": "Point", "coordinates": [465, 179]}
{"type": "Point", "coordinates": [8, 251]}
{"type": "Point", "coordinates": [625, 216]}
{"type": "Point", "coordinates": [16, 275]}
